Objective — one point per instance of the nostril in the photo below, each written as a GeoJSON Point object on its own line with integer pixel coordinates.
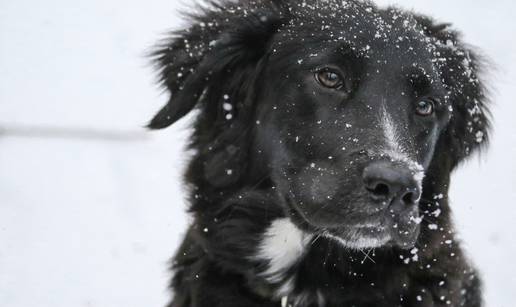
{"type": "Point", "coordinates": [380, 190]}
{"type": "Point", "coordinates": [409, 198]}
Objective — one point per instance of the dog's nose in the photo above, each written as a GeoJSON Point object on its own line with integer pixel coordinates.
{"type": "Point", "coordinates": [388, 182]}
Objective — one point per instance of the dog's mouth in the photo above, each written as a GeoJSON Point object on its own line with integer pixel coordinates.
{"type": "Point", "coordinates": [384, 229]}
{"type": "Point", "coordinates": [360, 237]}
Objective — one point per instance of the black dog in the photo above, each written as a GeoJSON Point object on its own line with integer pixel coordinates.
{"type": "Point", "coordinates": [326, 135]}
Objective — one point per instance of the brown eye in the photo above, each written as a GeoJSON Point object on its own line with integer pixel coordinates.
{"type": "Point", "coordinates": [329, 78]}
{"type": "Point", "coordinates": [425, 107]}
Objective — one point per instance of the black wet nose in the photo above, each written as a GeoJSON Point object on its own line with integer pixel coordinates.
{"type": "Point", "coordinates": [387, 182]}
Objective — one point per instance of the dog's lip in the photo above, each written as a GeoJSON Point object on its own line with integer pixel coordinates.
{"type": "Point", "coordinates": [380, 225]}
{"type": "Point", "coordinates": [380, 231]}
{"type": "Point", "coordinates": [361, 237]}
{"type": "Point", "coordinates": [369, 226]}
{"type": "Point", "coordinates": [363, 229]}
{"type": "Point", "coordinates": [383, 227]}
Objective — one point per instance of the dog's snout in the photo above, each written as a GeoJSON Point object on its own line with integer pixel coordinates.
{"type": "Point", "coordinates": [388, 182]}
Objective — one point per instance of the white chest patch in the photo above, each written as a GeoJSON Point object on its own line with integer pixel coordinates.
{"type": "Point", "coordinates": [282, 246]}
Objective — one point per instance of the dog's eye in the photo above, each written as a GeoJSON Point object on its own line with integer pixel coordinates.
{"type": "Point", "coordinates": [425, 107]}
{"type": "Point", "coordinates": [329, 78]}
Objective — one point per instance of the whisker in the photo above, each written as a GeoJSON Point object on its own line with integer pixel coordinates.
{"type": "Point", "coordinates": [366, 256]}
{"type": "Point", "coordinates": [316, 238]}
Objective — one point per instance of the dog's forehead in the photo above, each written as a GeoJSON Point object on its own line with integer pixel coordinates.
{"type": "Point", "coordinates": [361, 29]}
{"type": "Point", "coordinates": [386, 37]}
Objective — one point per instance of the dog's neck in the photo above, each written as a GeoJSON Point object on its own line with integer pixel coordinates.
{"type": "Point", "coordinates": [293, 257]}
{"type": "Point", "coordinates": [293, 267]}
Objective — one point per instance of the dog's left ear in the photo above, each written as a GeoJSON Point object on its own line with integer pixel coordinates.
{"type": "Point", "coordinates": [213, 58]}
{"type": "Point", "coordinates": [461, 70]}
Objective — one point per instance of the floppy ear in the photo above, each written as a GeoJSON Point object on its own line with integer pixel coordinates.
{"type": "Point", "coordinates": [461, 69]}
{"type": "Point", "coordinates": [211, 57]}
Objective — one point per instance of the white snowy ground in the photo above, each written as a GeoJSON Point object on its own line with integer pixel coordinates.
{"type": "Point", "coordinates": [92, 222]}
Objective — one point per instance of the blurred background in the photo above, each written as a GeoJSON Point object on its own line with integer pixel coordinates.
{"type": "Point", "coordinates": [92, 205]}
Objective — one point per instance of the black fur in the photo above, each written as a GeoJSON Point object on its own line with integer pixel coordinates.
{"type": "Point", "coordinates": [248, 67]}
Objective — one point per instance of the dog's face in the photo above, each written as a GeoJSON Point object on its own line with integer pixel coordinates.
{"type": "Point", "coordinates": [346, 108]}
{"type": "Point", "coordinates": [350, 126]}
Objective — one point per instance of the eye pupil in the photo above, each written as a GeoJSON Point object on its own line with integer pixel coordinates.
{"type": "Point", "coordinates": [329, 79]}
{"type": "Point", "coordinates": [332, 76]}
{"type": "Point", "coordinates": [425, 107]}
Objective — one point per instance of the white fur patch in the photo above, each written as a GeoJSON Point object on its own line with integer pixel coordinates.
{"type": "Point", "coordinates": [286, 288]}
{"type": "Point", "coordinates": [392, 137]}
{"type": "Point", "coordinates": [396, 151]}
{"type": "Point", "coordinates": [282, 246]}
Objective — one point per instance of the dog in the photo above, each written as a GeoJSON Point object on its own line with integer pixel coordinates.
{"type": "Point", "coordinates": [324, 139]}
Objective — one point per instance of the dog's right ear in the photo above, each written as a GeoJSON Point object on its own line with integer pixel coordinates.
{"type": "Point", "coordinates": [461, 70]}
{"type": "Point", "coordinates": [222, 40]}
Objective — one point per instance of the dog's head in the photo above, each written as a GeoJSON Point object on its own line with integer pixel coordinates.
{"type": "Point", "coordinates": [351, 113]}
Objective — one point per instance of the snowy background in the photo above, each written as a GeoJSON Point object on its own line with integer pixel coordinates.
{"type": "Point", "coordinates": [91, 205]}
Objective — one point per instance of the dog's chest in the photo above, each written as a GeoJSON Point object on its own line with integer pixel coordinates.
{"type": "Point", "coordinates": [282, 247]}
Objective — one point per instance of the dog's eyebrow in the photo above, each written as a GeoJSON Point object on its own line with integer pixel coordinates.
{"type": "Point", "coordinates": [348, 50]}
{"type": "Point", "coordinates": [419, 79]}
